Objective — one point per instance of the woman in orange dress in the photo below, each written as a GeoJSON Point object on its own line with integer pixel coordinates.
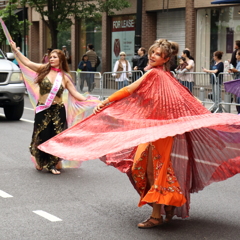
{"type": "Point", "coordinates": [160, 135]}
{"type": "Point", "coordinates": [152, 169]}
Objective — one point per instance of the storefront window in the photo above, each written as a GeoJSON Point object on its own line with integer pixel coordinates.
{"type": "Point", "coordinates": [217, 30]}
{"type": "Point", "coordinates": [90, 32]}
{"type": "Point", "coordinates": [64, 39]}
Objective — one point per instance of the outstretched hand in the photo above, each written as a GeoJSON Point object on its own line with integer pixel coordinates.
{"type": "Point", "coordinates": [13, 45]}
{"type": "Point", "coordinates": [99, 107]}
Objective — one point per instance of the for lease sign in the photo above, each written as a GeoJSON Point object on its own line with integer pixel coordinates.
{"type": "Point", "coordinates": [123, 37]}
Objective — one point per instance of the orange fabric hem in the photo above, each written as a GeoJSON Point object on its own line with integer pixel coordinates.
{"type": "Point", "coordinates": [172, 199]}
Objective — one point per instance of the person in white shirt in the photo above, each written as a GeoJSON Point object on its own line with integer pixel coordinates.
{"type": "Point", "coordinates": [189, 79]}
{"type": "Point", "coordinates": [122, 65]}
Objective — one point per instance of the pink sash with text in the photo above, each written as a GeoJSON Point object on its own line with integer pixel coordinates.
{"type": "Point", "coordinates": [52, 94]}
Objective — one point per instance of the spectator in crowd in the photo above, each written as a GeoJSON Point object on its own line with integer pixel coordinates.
{"type": "Point", "coordinates": [45, 58]}
{"type": "Point", "coordinates": [85, 65]}
{"type": "Point", "coordinates": [236, 72]}
{"type": "Point", "coordinates": [135, 59]}
{"type": "Point", "coordinates": [181, 69]}
{"type": "Point", "coordinates": [191, 57]}
{"type": "Point", "coordinates": [122, 65]}
{"type": "Point", "coordinates": [182, 65]}
{"type": "Point", "coordinates": [142, 60]}
{"type": "Point", "coordinates": [92, 57]}
{"type": "Point", "coordinates": [66, 53]}
{"type": "Point", "coordinates": [190, 67]}
{"type": "Point", "coordinates": [233, 60]}
{"type": "Point", "coordinates": [217, 68]}
{"type": "Point", "coordinates": [98, 63]}
{"type": "Point", "coordinates": [134, 64]}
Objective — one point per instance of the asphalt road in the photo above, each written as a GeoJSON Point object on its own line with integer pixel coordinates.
{"type": "Point", "coordinates": [95, 202]}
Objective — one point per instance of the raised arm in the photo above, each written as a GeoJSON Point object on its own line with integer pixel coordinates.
{"type": "Point", "coordinates": [23, 59]}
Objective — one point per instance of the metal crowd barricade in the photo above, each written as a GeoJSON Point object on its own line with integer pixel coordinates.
{"type": "Point", "coordinates": [89, 82]}
{"type": "Point", "coordinates": [227, 100]}
{"type": "Point", "coordinates": [110, 83]}
{"type": "Point", "coordinates": [205, 88]}
{"type": "Point", "coordinates": [74, 75]}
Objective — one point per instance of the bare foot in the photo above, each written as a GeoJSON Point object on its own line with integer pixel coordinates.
{"type": "Point", "coordinates": [54, 171]}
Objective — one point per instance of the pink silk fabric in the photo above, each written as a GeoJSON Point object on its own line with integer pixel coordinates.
{"type": "Point", "coordinates": [206, 146]}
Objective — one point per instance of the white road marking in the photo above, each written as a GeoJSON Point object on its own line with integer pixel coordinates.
{"type": "Point", "coordinates": [22, 119]}
{"type": "Point", "coordinates": [26, 120]}
{"type": "Point", "coordinates": [29, 108]}
{"type": "Point", "coordinates": [48, 216]}
{"type": "Point", "coordinates": [4, 194]}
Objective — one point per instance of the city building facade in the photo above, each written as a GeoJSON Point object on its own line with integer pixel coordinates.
{"type": "Point", "coordinates": [195, 24]}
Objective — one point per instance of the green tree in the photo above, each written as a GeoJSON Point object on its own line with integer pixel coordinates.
{"type": "Point", "coordinates": [15, 27]}
{"type": "Point", "coordinates": [56, 14]}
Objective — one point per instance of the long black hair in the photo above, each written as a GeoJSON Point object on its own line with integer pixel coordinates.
{"type": "Point", "coordinates": [188, 54]}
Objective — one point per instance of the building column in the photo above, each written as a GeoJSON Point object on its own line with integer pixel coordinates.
{"type": "Point", "coordinates": [149, 27]}
{"type": "Point", "coordinates": [138, 26]}
{"type": "Point", "coordinates": [190, 26]}
{"type": "Point", "coordinates": [74, 45]}
{"type": "Point", "coordinates": [106, 42]}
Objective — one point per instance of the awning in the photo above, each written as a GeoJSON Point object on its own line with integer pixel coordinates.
{"type": "Point", "coordinates": [225, 1]}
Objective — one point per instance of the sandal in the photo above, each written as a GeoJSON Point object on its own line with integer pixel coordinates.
{"type": "Point", "coordinates": [54, 171]}
{"type": "Point", "coordinates": [169, 210]}
{"type": "Point", "coordinates": [151, 222]}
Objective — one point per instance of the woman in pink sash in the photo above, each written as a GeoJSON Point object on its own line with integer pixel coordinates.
{"type": "Point", "coordinates": [50, 118]}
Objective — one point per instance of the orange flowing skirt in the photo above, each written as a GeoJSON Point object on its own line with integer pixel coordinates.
{"type": "Point", "coordinates": [165, 189]}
